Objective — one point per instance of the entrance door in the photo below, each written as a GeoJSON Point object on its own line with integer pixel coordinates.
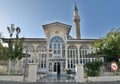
{"type": "Point", "coordinates": [57, 68]}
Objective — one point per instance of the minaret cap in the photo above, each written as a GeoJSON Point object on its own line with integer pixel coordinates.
{"type": "Point", "coordinates": [76, 7]}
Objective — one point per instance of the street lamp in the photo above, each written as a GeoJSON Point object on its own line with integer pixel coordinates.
{"type": "Point", "coordinates": [11, 30]}
{"type": "Point", "coordinates": [17, 32]}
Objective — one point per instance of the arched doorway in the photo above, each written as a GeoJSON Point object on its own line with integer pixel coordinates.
{"type": "Point", "coordinates": [57, 68]}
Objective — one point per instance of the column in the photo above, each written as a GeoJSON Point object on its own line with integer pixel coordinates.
{"type": "Point", "coordinates": [66, 58]}
{"type": "Point", "coordinates": [32, 72]}
{"type": "Point", "coordinates": [79, 73]}
{"type": "Point", "coordinates": [47, 58]}
{"type": "Point", "coordinates": [52, 67]}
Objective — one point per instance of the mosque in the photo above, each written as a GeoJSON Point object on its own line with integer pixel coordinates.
{"type": "Point", "coordinates": [59, 51]}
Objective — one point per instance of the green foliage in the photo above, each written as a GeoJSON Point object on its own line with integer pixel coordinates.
{"type": "Point", "coordinates": [15, 52]}
{"type": "Point", "coordinates": [118, 63]}
{"type": "Point", "coordinates": [2, 52]}
{"type": "Point", "coordinates": [10, 52]}
{"type": "Point", "coordinates": [93, 68]}
{"type": "Point", "coordinates": [110, 45]}
{"type": "Point", "coordinates": [68, 71]}
{"type": "Point", "coordinates": [18, 51]}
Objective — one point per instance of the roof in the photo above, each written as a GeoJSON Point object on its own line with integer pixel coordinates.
{"type": "Point", "coordinates": [45, 40]}
{"type": "Point", "coordinates": [57, 23]}
{"type": "Point", "coordinates": [81, 40]}
{"type": "Point", "coordinates": [26, 39]}
{"type": "Point", "coordinates": [62, 25]}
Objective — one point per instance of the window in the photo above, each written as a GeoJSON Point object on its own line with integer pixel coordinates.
{"type": "Point", "coordinates": [41, 48]}
{"type": "Point", "coordinates": [72, 56]}
{"type": "Point", "coordinates": [29, 48]}
{"type": "Point", "coordinates": [42, 61]}
{"type": "Point", "coordinates": [57, 45]}
{"type": "Point", "coordinates": [72, 52]}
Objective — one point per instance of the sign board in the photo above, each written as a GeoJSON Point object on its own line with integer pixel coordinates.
{"type": "Point", "coordinates": [114, 66]}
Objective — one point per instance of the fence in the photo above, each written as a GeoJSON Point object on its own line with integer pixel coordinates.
{"type": "Point", "coordinates": [106, 70]}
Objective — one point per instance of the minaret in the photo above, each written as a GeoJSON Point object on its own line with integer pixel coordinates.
{"type": "Point", "coordinates": [76, 19]}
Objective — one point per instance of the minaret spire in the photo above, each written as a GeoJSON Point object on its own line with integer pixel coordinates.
{"type": "Point", "coordinates": [75, 5]}
{"type": "Point", "coordinates": [76, 19]}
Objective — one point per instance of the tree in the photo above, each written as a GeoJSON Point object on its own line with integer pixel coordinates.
{"type": "Point", "coordinates": [1, 50]}
{"type": "Point", "coordinates": [15, 52]}
{"type": "Point", "coordinates": [3, 56]}
{"type": "Point", "coordinates": [15, 48]}
{"type": "Point", "coordinates": [110, 45]}
{"type": "Point", "coordinates": [5, 53]}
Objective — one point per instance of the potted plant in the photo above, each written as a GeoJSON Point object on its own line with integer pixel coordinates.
{"type": "Point", "coordinates": [68, 71]}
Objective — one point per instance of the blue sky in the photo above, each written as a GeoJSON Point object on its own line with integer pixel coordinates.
{"type": "Point", "coordinates": [97, 16]}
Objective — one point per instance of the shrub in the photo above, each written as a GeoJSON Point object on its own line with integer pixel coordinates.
{"type": "Point", "coordinates": [68, 71]}
{"type": "Point", "coordinates": [93, 68]}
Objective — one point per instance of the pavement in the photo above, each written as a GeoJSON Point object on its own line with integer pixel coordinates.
{"type": "Point", "coordinates": [11, 82]}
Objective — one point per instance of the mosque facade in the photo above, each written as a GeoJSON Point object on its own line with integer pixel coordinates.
{"type": "Point", "coordinates": [59, 51]}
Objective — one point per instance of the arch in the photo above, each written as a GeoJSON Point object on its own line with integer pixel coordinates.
{"type": "Point", "coordinates": [57, 66]}
{"type": "Point", "coordinates": [56, 39]}
{"type": "Point", "coordinates": [40, 48]}
{"type": "Point", "coordinates": [84, 51]}
{"type": "Point", "coordinates": [72, 56]}
{"type": "Point", "coordinates": [42, 55]}
{"type": "Point", "coordinates": [84, 47]}
{"type": "Point", "coordinates": [72, 47]}
{"type": "Point", "coordinates": [57, 44]}
{"type": "Point", "coordinates": [72, 51]}
{"type": "Point", "coordinates": [29, 47]}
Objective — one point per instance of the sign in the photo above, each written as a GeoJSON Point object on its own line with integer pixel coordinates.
{"type": "Point", "coordinates": [114, 66]}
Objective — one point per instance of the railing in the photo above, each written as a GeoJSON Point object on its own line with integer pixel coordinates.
{"type": "Point", "coordinates": [105, 70]}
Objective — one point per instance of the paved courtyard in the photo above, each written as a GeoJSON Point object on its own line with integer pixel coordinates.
{"type": "Point", "coordinates": [10, 82]}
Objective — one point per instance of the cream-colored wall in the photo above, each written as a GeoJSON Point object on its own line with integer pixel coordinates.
{"type": "Point", "coordinates": [81, 44]}
{"type": "Point", "coordinates": [56, 30]}
{"type": "Point", "coordinates": [34, 54]}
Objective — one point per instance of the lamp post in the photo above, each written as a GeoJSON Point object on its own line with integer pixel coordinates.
{"type": "Point", "coordinates": [11, 30]}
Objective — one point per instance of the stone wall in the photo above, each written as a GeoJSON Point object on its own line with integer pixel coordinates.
{"type": "Point", "coordinates": [11, 78]}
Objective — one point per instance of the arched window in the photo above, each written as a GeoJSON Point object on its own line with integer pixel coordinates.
{"type": "Point", "coordinates": [41, 48]}
{"type": "Point", "coordinates": [72, 51]}
{"type": "Point", "coordinates": [84, 47]}
{"type": "Point", "coordinates": [57, 39]}
{"type": "Point", "coordinates": [57, 45]}
{"type": "Point", "coordinates": [72, 56]}
{"type": "Point", "coordinates": [84, 53]}
{"type": "Point", "coordinates": [29, 48]}
{"type": "Point", "coordinates": [84, 50]}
